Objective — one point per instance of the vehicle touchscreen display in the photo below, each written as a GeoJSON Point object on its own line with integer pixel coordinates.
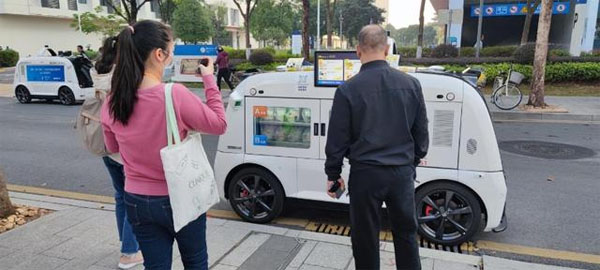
{"type": "Point", "coordinates": [333, 68]}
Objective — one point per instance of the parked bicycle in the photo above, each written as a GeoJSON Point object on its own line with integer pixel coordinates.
{"type": "Point", "coordinates": [506, 94]}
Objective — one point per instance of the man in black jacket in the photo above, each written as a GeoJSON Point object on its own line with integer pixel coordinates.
{"type": "Point", "coordinates": [378, 121]}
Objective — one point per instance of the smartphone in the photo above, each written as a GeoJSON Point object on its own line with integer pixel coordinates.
{"type": "Point", "coordinates": [203, 62]}
{"type": "Point", "coordinates": [337, 189]}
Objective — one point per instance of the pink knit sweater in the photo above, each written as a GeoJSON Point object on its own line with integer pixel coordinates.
{"type": "Point", "coordinates": [140, 141]}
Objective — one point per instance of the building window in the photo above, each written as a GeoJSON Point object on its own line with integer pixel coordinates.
{"type": "Point", "coordinates": [51, 4]}
{"type": "Point", "coordinates": [82, 2]}
{"type": "Point", "coordinates": [235, 17]}
{"type": "Point", "coordinates": [72, 4]}
{"type": "Point", "coordinates": [109, 8]}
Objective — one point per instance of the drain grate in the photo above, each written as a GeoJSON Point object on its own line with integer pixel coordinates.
{"type": "Point", "coordinates": [546, 150]}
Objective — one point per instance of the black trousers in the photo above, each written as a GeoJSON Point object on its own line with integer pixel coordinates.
{"type": "Point", "coordinates": [369, 187]}
{"type": "Point", "coordinates": [224, 73]}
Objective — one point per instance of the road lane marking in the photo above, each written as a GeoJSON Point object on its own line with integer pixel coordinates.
{"type": "Point", "coordinates": [469, 247]}
{"type": "Point", "coordinates": [539, 252]}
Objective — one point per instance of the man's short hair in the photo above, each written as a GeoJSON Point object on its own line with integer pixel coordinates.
{"type": "Point", "coordinates": [372, 38]}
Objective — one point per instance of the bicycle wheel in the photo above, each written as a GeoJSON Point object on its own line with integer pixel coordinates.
{"type": "Point", "coordinates": [507, 98]}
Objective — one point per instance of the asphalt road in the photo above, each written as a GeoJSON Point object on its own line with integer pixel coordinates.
{"type": "Point", "coordinates": [39, 147]}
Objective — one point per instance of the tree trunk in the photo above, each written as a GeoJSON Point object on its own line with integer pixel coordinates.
{"type": "Point", "coordinates": [248, 45]}
{"type": "Point", "coordinates": [330, 11]}
{"type": "Point", "coordinates": [536, 98]}
{"type": "Point", "coordinates": [305, 23]}
{"type": "Point", "coordinates": [528, 18]}
{"type": "Point", "coordinates": [421, 26]}
{"type": "Point", "coordinates": [6, 208]}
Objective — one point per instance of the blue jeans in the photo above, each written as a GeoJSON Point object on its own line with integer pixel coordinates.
{"type": "Point", "coordinates": [128, 243]}
{"type": "Point", "coordinates": [152, 221]}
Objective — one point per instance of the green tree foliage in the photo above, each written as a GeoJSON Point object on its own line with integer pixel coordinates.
{"type": "Point", "coordinates": [219, 21]}
{"type": "Point", "coordinates": [273, 21]}
{"type": "Point", "coordinates": [357, 14]}
{"type": "Point", "coordinates": [166, 9]}
{"type": "Point", "coordinates": [95, 22]}
{"type": "Point", "coordinates": [407, 37]}
{"type": "Point", "coordinates": [192, 21]}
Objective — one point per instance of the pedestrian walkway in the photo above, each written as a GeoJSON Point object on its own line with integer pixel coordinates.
{"type": "Point", "coordinates": [82, 235]}
{"type": "Point", "coordinates": [586, 109]}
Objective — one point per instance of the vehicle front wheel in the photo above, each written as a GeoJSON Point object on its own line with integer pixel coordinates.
{"type": "Point", "coordinates": [65, 95]}
{"type": "Point", "coordinates": [22, 94]}
{"type": "Point", "coordinates": [447, 214]}
{"type": "Point", "coordinates": [256, 195]}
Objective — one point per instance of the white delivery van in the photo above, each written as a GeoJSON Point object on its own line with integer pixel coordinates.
{"type": "Point", "coordinates": [274, 149]}
{"type": "Point", "coordinates": [53, 77]}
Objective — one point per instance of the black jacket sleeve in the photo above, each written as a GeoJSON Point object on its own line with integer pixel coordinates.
{"type": "Point", "coordinates": [338, 136]}
{"type": "Point", "coordinates": [419, 130]}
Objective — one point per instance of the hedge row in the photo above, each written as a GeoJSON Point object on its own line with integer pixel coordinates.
{"type": "Point", "coordinates": [278, 55]}
{"type": "Point", "coordinates": [8, 58]}
{"type": "Point", "coordinates": [555, 72]}
{"type": "Point", "coordinates": [464, 61]}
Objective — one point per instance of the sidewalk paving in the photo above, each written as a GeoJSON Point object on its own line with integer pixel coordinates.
{"type": "Point", "coordinates": [82, 235]}
{"type": "Point", "coordinates": [586, 109]}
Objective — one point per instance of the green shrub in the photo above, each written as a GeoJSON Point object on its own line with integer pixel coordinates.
{"type": "Point", "coordinates": [261, 58]}
{"type": "Point", "coordinates": [235, 54]}
{"type": "Point", "coordinates": [92, 54]}
{"type": "Point", "coordinates": [247, 65]}
{"type": "Point", "coordinates": [467, 52]}
{"type": "Point", "coordinates": [525, 53]}
{"type": "Point", "coordinates": [8, 58]}
{"type": "Point", "coordinates": [558, 53]}
{"type": "Point", "coordinates": [498, 51]}
{"type": "Point", "coordinates": [411, 52]}
{"type": "Point", "coordinates": [444, 51]}
{"type": "Point", "coordinates": [270, 50]}
{"type": "Point", "coordinates": [555, 72]}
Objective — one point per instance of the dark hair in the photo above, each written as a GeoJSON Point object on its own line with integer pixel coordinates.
{"type": "Point", "coordinates": [134, 45]}
{"type": "Point", "coordinates": [79, 46]}
{"type": "Point", "coordinates": [106, 60]}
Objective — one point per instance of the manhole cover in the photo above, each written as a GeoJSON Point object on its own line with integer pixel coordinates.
{"type": "Point", "coordinates": [547, 150]}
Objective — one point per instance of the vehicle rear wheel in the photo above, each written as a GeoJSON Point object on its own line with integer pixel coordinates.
{"type": "Point", "coordinates": [65, 95]}
{"type": "Point", "coordinates": [447, 214]}
{"type": "Point", "coordinates": [256, 195]}
{"type": "Point", "coordinates": [22, 94]}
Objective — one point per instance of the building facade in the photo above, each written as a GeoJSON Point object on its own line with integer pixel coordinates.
{"type": "Point", "coordinates": [234, 24]}
{"type": "Point", "coordinates": [385, 5]}
{"type": "Point", "coordinates": [574, 28]}
{"type": "Point", "coordinates": [27, 25]}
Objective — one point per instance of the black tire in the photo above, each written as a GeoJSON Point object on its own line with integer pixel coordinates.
{"type": "Point", "coordinates": [22, 94]}
{"type": "Point", "coordinates": [507, 99]}
{"type": "Point", "coordinates": [65, 95]}
{"type": "Point", "coordinates": [447, 222]}
{"type": "Point", "coordinates": [256, 195]}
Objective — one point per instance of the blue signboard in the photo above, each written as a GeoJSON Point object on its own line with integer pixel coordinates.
{"type": "Point", "coordinates": [196, 50]}
{"type": "Point", "coordinates": [518, 9]}
{"type": "Point", "coordinates": [45, 73]}
{"type": "Point", "coordinates": [260, 140]}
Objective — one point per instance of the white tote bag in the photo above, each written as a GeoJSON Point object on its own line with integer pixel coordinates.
{"type": "Point", "coordinates": [190, 178]}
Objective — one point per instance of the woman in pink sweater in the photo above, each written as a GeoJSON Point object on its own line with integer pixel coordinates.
{"type": "Point", "coordinates": [134, 125]}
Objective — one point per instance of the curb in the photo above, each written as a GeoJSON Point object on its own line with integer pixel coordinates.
{"type": "Point", "coordinates": [6, 90]}
{"type": "Point", "coordinates": [545, 117]}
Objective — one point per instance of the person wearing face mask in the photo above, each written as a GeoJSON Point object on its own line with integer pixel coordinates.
{"type": "Point", "coordinates": [224, 71]}
{"type": "Point", "coordinates": [134, 124]}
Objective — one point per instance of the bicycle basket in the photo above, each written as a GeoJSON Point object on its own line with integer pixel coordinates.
{"type": "Point", "coordinates": [516, 77]}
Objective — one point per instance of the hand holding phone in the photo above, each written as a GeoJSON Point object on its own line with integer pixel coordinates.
{"type": "Point", "coordinates": [205, 67]}
{"type": "Point", "coordinates": [336, 188]}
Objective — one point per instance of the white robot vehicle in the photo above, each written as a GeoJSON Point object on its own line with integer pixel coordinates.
{"type": "Point", "coordinates": [49, 77]}
{"type": "Point", "coordinates": [275, 149]}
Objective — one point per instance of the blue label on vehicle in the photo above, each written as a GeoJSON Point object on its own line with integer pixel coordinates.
{"type": "Point", "coordinates": [518, 9]}
{"type": "Point", "coordinates": [45, 73]}
{"type": "Point", "coordinates": [197, 50]}
{"type": "Point", "coordinates": [260, 140]}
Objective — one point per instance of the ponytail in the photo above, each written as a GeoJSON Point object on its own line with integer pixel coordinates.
{"type": "Point", "coordinates": [108, 52]}
{"type": "Point", "coordinates": [134, 45]}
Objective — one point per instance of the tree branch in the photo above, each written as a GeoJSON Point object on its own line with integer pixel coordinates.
{"type": "Point", "coordinates": [239, 7]}
{"type": "Point", "coordinates": [127, 10]}
{"type": "Point", "coordinates": [253, 6]}
{"type": "Point", "coordinates": [117, 11]}
{"type": "Point", "coordinates": [144, 2]}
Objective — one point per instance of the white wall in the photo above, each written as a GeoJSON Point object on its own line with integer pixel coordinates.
{"type": "Point", "coordinates": [590, 28]}
{"type": "Point", "coordinates": [28, 34]}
